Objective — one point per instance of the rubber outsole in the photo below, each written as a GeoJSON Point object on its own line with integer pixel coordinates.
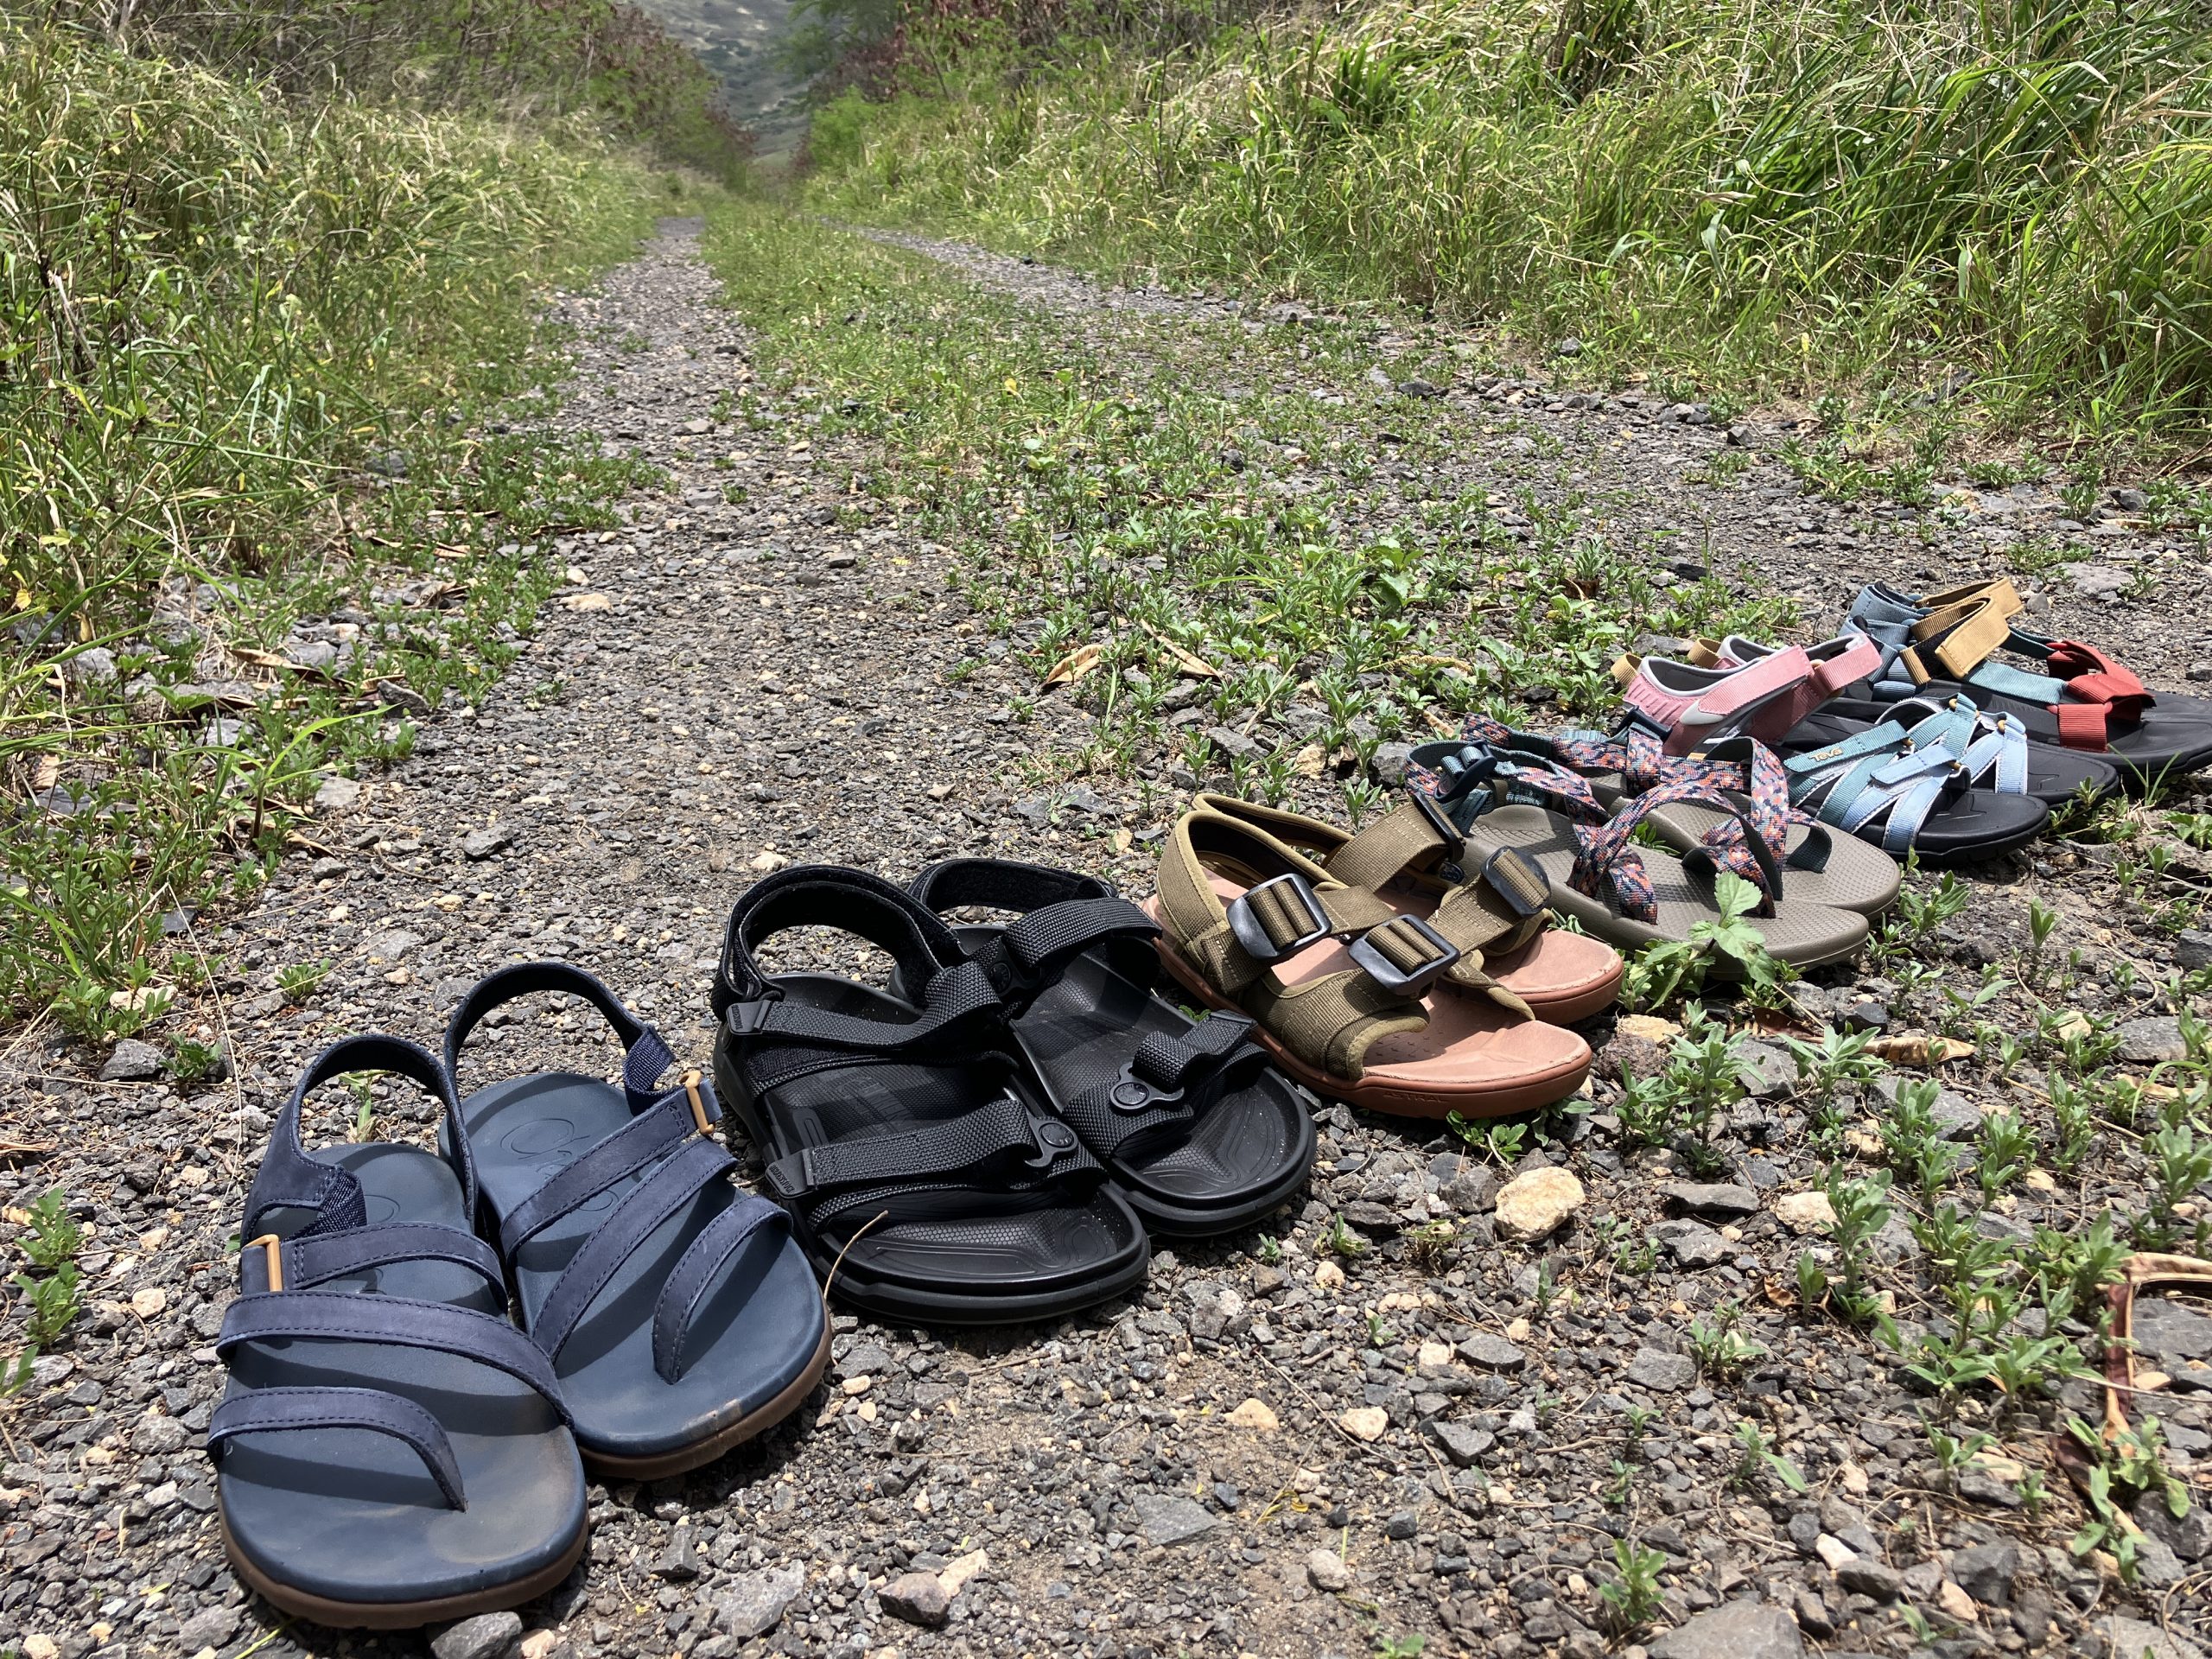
{"type": "Point", "coordinates": [1373, 1096]}
{"type": "Point", "coordinates": [903, 1303]}
{"type": "Point", "coordinates": [400, 1614]}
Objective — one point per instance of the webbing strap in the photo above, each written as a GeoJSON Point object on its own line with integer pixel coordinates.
{"type": "Point", "coordinates": [996, 1140]}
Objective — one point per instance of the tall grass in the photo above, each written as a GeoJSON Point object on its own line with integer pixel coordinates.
{"type": "Point", "coordinates": [246, 341]}
{"type": "Point", "coordinates": [1774, 193]}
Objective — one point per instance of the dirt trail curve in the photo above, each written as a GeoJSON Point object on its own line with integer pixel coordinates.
{"type": "Point", "coordinates": [723, 686]}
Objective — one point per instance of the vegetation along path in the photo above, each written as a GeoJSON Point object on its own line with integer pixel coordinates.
{"type": "Point", "coordinates": [961, 554]}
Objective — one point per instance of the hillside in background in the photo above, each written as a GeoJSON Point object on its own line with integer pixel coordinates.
{"type": "Point", "coordinates": [737, 40]}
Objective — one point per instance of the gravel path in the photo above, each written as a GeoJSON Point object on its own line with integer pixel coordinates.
{"type": "Point", "coordinates": [1275, 1452]}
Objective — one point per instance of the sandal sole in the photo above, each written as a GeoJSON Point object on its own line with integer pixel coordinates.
{"type": "Point", "coordinates": [1384, 1098]}
{"type": "Point", "coordinates": [400, 1614]}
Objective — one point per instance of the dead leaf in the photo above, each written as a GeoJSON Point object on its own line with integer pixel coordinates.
{"type": "Point", "coordinates": [1076, 663]}
{"type": "Point", "coordinates": [1190, 664]}
{"type": "Point", "coordinates": [1920, 1051]}
{"type": "Point", "coordinates": [49, 769]}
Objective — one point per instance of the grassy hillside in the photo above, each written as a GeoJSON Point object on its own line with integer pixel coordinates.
{"type": "Point", "coordinates": [253, 509]}
{"type": "Point", "coordinates": [1770, 197]}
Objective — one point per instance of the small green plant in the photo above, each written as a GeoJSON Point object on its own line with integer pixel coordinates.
{"type": "Point", "coordinates": [1756, 1455]}
{"type": "Point", "coordinates": [2127, 1464]}
{"type": "Point", "coordinates": [1862, 1210]}
{"type": "Point", "coordinates": [1400, 1647]}
{"type": "Point", "coordinates": [1632, 1595]}
{"type": "Point", "coordinates": [1722, 1349]}
{"type": "Point", "coordinates": [52, 1238]}
{"type": "Point", "coordinates": [2008, 1148]}
{"type": "Point", "coordinates": [50, 1303]}
{"type": "Point", "coordinates": [300, 980]}
{"type": "Point", "coordinates": [1339, 1239]}
{"type": "Point", "coordinates": [1659, 974]}
{"type": "Point", "coordinates": [193, 1062]}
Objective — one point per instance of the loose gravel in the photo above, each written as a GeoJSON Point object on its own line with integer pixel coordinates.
{"type": "Point", "coordinates": [1276, 1450]}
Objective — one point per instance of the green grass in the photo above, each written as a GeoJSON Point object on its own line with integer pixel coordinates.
{"type": "Point", "coordinates": [1188, 529]}
{"type": "Point", "coordinates": [2011, 195]}
{"type": "Point", "coordinates": [252, 350]}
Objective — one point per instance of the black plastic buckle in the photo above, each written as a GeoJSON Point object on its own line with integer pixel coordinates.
{"type": "Point", "coordinates": [1455, 842]}
{"type": "Point", "coordinates": [750, 1016]}
{"type": "Point", "coordinates": [1053, 1138]}
{"type": "Point", "coordinates": [1132, 1094]}
{"type": "Point", "coordinates": [1514, 876]}
{"type": "Point", "coordinates": [1250, 932]}
{"type": "Point", "coordinates": [1379, 967]}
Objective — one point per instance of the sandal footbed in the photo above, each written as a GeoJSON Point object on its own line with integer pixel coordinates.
{"type": "Point", "coordinates": [1803, 935]}
{"type": "Point", "coordinates": [756, 1337]}
{"type": "Point", "coordinates": [346, 1527]}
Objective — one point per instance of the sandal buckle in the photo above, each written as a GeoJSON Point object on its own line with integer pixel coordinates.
{"type": "Point", "coordinates": [1519, 881]}
{"type": "Point", "coordinates": [273, 1249]}
{"type": "Point", "coordinates": [1437, 956]}
{"type": "Point", "coordinates": [699, 1094]}
{"type": "Point", "coordinates": [1053, 1138]}
{"type": "Point", "coordinates": [1299, 905]}
{"type": "Point", "coordinates": [750, 1017]}
{"type": "Point", "coordinates": [1455, 842]}
{"type": "Point", "coordinates": [1132, 1094]}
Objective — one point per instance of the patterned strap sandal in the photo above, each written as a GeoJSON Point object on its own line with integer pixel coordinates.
{"type": "Point", "coordinates": [1821, 868]}
{"type": "Point", "coordinates": [390, 1452]}
{"type": "Point", "coordinates": [681, 1317]}
{"type": "Point", "coordinates": [1946, 643]}
{"type": "Point", "coordinates": [1628, 896]}
{"type": "Point", "coordinates": [2054, 774]}
{"type": "Point", "coordinates": [1495, 912]}
{"type": "Point", "coordinates": [1343, 990]}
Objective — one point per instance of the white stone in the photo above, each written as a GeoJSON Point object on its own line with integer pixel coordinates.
{"type": "Point", "coordinates": [1805, 1212]}
{"type": "Point", "coordinates": [1532, 1206]}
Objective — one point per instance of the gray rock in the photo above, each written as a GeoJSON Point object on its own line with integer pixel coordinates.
{"type": "Point", "coordinates": [757, 1600]}
{"type": "Point", "coordinates": [94, 665]}
{"type": "Point", "coordinates": [1327, 1571]}
{"type": "Point", "coordinates": [1569, 347]}
{"type": "Point", "coordinates": [1767, 1070]}
{"type": "Point", "coordinates": [1691, 1243]}
{"type": "Point", "coordinates": [1462, 1442]}
{"type": "Point", "coordinates": [1232, 742]}
{"type": "Point", "coordinates": [2134, 1639]}
{"type": "Point", "coordinates": [487, 1635]}
{"type": "Point", "coordinates": [2190, 1537]}
{"type": "Point", "coordinates": [336, 794]}
{"type": "Point", "coordinates": [2172, 1334]}
{"type": "Point", "coordinates": [1662, 1372]}
{"type": "Point", "coordinates": [2151, 1040]}
{"type": "Point", "coordinates": [2097, 580]}
{"type": "Point", "coordinates": [1724, 1199]}
{"type": "Point", "coordinates": [1987, 1573]}
{"type": "Point", "coordinates": [918, 1597]}
{"type": "Point", "coordinates": [1866, 1577]}
{"type": "Point", "coordinates": [2155, 1563]}
{"type": "Point", "coordinates": [315, 655]}
{"type": "Point", "coordinates": [480, 844]}
{"type": "Point", "coordinates": [864, 1359]}
{"type": "Point", "coordinates": [1391, 760]}
{"type": "Point", "coordinates": [1491, 1353]}
{"type": "Point", "coordinates": [211, 1627]}
{"type": "Point", "coordinates": [1741, 1630]}
{"type": "Point", "coordinates": [678, 1563]}
{"type": "Point", "coordinates": [133, 1062]}
{"type": "Point", "coordinates": [392, 945]}
{"type": "Point", "coordinates": [2193, 947]}
{"type": "Point", "coordinates": [1168, 1520]}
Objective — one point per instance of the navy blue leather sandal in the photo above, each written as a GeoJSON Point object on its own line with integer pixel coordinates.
{"type": "Point", "coordinates": [917, 1149]}
{"type": "Point", "coordinates": [1190, 1118]}
{"type": "Point", "coordinates": [392, 1451]}
{"type": "Point", "coordinates": [677, 1312]}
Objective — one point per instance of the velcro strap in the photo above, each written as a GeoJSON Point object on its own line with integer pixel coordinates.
{"type": "Point", "coordinates": [1029, 954]}
{"type": "Point", "coordinates": [271, 1411]}
{"type": "Point", "coordinates": [2081, 725]}
{"type": "Point", "coordinates": [2092, 677]}
{"type": "Point", "coordinates": [952, 1004]}
{"type": "Point", "coordinates": [994, 1140]}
